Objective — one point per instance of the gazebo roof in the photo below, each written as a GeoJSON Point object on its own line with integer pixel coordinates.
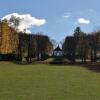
{"type": "Point", "coordinates": [58, 48]}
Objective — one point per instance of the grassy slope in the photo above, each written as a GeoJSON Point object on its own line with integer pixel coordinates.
{"type": "Point", "coordinates": [45, 82]}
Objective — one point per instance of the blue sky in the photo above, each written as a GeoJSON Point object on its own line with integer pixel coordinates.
{"type": "Point", "coordinates": [62, 16]}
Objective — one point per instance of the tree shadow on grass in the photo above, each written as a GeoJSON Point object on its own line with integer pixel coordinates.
{"type": "Point", "coordinates": [21, 63]}
{"type": "Point", "coordinates": [59, 61]}
{"type": "Point", "coordinates": [95, 67]}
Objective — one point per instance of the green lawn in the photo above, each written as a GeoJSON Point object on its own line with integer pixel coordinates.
{"type": "Point", "coordinates": [45, 82]}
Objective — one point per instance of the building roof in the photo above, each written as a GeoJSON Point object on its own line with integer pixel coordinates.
{"type": "Point", "coordinates": [58, 48]}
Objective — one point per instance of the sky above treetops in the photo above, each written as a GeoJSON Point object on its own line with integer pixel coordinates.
{"type": "Point", "coordinates": [55, 18]}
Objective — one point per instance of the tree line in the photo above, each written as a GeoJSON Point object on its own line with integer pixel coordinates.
{"type": "Point", "coordinates": [82, 46]}
{"type": "Point", "coordinates": [22, 46]}
{"type": "Point", "coordinates": [36, 46]}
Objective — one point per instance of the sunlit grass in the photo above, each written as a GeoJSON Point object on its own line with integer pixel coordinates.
{"type": "Point", "coordinates": [46, 82]}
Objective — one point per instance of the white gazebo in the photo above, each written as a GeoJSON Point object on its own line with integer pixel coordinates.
{"type": "Point", "coordinates": [57, 51]}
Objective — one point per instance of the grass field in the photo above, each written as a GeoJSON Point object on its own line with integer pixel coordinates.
{"type": "Point", "coordinates": [45, 82]}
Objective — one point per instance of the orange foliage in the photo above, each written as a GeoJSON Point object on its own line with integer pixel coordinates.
{"type": "Point", "coordinates": [8, 39]}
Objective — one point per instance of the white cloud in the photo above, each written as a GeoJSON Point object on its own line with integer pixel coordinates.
{"type": "Point", "coordinates": [66, 16]}
{"type": "Point", "coordinates": [28, 31]}
{"type": "Point", "coordinates": [83, 21]}
{"type": "Point", "coordinates": [26, 21]}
